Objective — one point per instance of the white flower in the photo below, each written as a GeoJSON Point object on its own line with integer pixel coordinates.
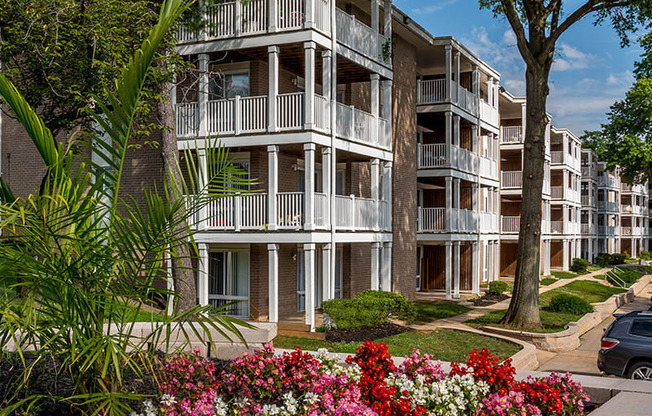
{"type": "Point", "coordinates": [311, 398]}
{"type": "Point", "coordinates": [168, 400]}
{"type": "Point", "coordinates": [221, 408]}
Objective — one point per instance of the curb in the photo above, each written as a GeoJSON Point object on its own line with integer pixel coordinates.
{"type": "Point", "coordinates": [569, 339]}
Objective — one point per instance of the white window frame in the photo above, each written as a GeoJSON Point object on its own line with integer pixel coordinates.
{"type": "Point", "coordinates": [229, 279]}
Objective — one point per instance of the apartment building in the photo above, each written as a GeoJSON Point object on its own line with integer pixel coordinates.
{"type": "Point", "coordinates": [301, 94]}
{"type": "Point", "coordinates": [608, 206]}
{"type": "Point", "coordinates": [457, 167]}
{"type": "Point", "coordinates": [634, 218]}
{"type": "Point", "coordinates": [589, 198]}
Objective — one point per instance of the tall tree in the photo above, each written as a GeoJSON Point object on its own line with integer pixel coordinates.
{"type": "Point", "coordinates": [625, 140]}
{"type": "Point", "coordinates": [538, 25]}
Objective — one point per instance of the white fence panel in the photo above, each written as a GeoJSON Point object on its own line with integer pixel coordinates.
{"type": "Point", "coordinates": [290, 14]}
{"type": "Point", "coordinates": [289, 206]}
{"type": "Point", "coordinates": [221, 116]}
{"type": "Point", "coordinates": [252, 114]}
{"type": "Point", "coordinates": [290, 111]}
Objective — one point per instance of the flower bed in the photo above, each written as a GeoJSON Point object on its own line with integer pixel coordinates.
{"type": "Point", "coordinates": [298, 383]}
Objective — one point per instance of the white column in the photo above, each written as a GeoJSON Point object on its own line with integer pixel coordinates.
{"type": "Point", "coordinates": [375, 266]}
{"type": "Point", "coordinates": [326, 82]}
{"type": "Point", "coordinates": [387, 11]}
{"type": "Point", "coordinates": [475, 139]}
{"type": "Point", "coordinates": [449, 266]}
{"type": "Point", "coordinates": [449, 137]}
{"type": "Point", "coordinates": [309, 95]}
{"type": "Point", "coordinates": [387, 188]}
{"type": "Point", "coordinates": [572, 251]}
{"type": "Point", "coordinates": [310, 14]}
{"type": "Point", "coordinates": [590, 247]}
{"type": "Point", "coordinates": [375, 191]}
{"type": "Point", "coordinates": [326, 253]}
{"type": "Point", "coordinates": [523, 118]}
{"type": "Point", "coordinates": [386, 283]}
{"type": "Point", "coordinates": [309, 186]}
{"type": "Point", "coordinates": [490, 90]}
{"type": "Point", "coordinates": [375, 95]}
{"type": "Point", "coordinates": [497, 262]}
{"type": "Point", "coordinates": [375, 16]}
{"type": "Point", "coordinates": [565, 253]}
{"type": "Point", "coordinates": [457, 75]}
{"type": "Point", "coordinates": [272, 185]}
{"type": "Point", "coordinates": [202, 275]}
{"type": "Point", "coordinates": [491, 270]}
{"type": "Point", "coordinates": [475, 269]}
{"type": "Point", "coordinates": [309, 270]}
{"type": "Point", "coordinates": [273, 87]}
{"type": "Point", "coordinates": [456, 194]}
{"type": "Point", "coordinates": [449, 75]}
{"type": "Point", "coordinates": [449, 203]}
{"type": "Point", "coordinates": [456, 130]}
{"type": "Point", "coordinates": [326, 154]}
{"type": "Point", "coordinates": [475, 85]}
{"type": "Point", "coordinates": [202, 95]}
{"type": "Point", "coordinates": [456, 261]}
{"type": "Point", "coordinates": [272, 252]}
{"type": "Point", "coordinates": [386, 93]}
{"type": "Point", "coordinates": [272, 13]}
{"type": "Point", "coordinates": [203, 177]}
{"type": "Point", "coordinates": [496, 88]}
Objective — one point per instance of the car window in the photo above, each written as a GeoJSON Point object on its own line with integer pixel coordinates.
{"type": "Point", "coordinates": [642, 328]}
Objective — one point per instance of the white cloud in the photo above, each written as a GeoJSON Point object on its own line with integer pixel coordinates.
{"type": "Point", "coordinates": [623, 78]}
{"type": "Point", "coordinates": [434, 8]}
{"type": "Point", "coordinates": [570, 58]}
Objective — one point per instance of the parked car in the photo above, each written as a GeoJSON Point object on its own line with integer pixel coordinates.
{"type": "Point", "coordinates": [626, 347]}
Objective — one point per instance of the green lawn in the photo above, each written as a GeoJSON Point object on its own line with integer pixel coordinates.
{"type": "Point", "coordinates": [443, 344]}
{"type": "Point", "coordinates": [564, 275]}
{"type": "Point", "coordinates": [599, 277]}
{"type": "Point", "coordinates": [547, 281]}
{"type": "Point", "coordinates": [590, 291]}
{"type": "Point", "coordinates": [552, 322]}
{"type": "Point", "coordinates": [430, 311]}
{"type": "Point", "coordinates": [593, 268]}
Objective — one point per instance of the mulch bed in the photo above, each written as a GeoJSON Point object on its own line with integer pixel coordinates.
{"type": "Point", "coordinates": [365, 334]}
{"type": "Point", "coordinates": [488, 299]}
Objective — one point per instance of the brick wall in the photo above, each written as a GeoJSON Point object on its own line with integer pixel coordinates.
{"type": "Point", "coordinates": [404, 267]}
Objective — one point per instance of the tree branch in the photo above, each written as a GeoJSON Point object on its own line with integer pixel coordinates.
{"type": "Point", "coordinates": [589, 7]}
{"type": "Point", "coordinates": [521, 40]}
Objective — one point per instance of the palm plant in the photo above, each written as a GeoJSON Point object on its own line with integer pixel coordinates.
{"type": "Point", "coordinates": [77, 257]}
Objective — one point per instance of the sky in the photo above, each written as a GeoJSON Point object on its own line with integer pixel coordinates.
{"type": "Point", "coordinates": [591, 71]}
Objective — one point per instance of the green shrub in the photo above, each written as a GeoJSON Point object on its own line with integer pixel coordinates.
{"type": "Point", "coordinates": [579, 265]}
{"type": "Point", "coordinates": [603, 259]}
{"type": "Point", "coordinates": [628, 276]}
{"type": "Point", "coordinates": [497, 288]}
{"type": "Point", "coordinates": [368, 309]}
{"type": "Point", "coordinates": [566, 303]}
{"type": "Point", "coordinates": [618, 258]}
{"type": "Point", "coordinates": [645, 255]}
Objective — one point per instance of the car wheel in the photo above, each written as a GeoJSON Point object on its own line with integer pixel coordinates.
{"type": "Point", "coordinates": [640, 371]}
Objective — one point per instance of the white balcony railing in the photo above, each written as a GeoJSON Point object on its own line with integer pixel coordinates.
{"type": "Point", "coordinates": [353, 213]}
{"type": "Point", "coordinates": [557, 192]}
{"type": "Point", "coordinates": [626, 230]}
{"type": "Point", "coordinates": [589, 172]}
{"type": "Point", "coordinates": [489, 113]}
{"type": "Point", "coordinates": [488, 167]}
{"type": "Point", "coordinates": [245, 212]}
{"type": "Point", "coordinates": [431, 219]}
{"type": "Point", "coordinates": [322, 203]}
{"type": "Point", "coordinates": [607, 230]}
{"type": "Point", "coordinates": [488, 222]}
{"type": "Point", "coordinates": [234, 18]}
{"type": "Point", "coordinates": [322, 115]}
{"type": "Point", "coordinates": [431, 91]}
{"type": "Point", "coordinates": [290, 111]}
{"type": "Point", "coordinates": [587, 201]}
{"type": "Point", "coordinates": [556, 227]}
{"type": "Point", "coordinates": [289, 206]}
{"type": "Point", "coordinates": [511, 179]}
{"type": "Point", "coordinates": [608, 181]}
{"type": "Point", "coordinates": [556, 157]}
{"type": "Point", "coordinates": [511, 224]}
{"type": "Point", "coordinates": [354, 124]}
{"type": "Point", "coordinates": [436, 220]}
{"type": "Point", "coordinates": [587, 228]}
{"type": "Point", "coordinates": [432, 155]}
{"type": "Point", "coordinates": [358, 36]}
{"type": "Point", "coordinates": [511, 134]}
{"type": "Point", "coordinates": [608, 206]}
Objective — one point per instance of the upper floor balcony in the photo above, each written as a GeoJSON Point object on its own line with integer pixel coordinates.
{"type": "Point", "coordinates": [511, 224]}
{"type": "Point", "coordinates": [588, 228]}
{"type": "Point", "coordinates": [588, 201]}
{"type": "Point", "coordinates": [439, 155]}
{"type": "Point", "coordinates": [609, 206]}
{"type": "Point", "coordinates": [632, 231]}
{"type": "Point", "coordinates": [511, 134]}
{"type": "Point", "coordinates": [253, 212]}
{"type": "Point", "coordinates": [590, 172]}
{"type": "Point", "coordinates": [441, 91]}
{"type": "Point", "coordinates": [633, 209]}
{"type": "Point", "coordinates": [235, 19]}
{"type": "Point", "coordinates": [436, 220]}
{"type": "Point", "coordinates": [242, 116]}
{"type": "Point", "coordinates": [607, 230]}
{"type": "Point", "coordinates": [636, 189]}
{"type": "Point", "coordinates": [608, 181]}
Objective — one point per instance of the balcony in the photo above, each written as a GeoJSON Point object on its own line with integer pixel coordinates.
{"type": "Point", "coordinates": [557, 157]}
{"type": "Point", "coordinates": [433, 91]}
{"type": "Point", "coordinates": [511, 179]}
{"type": "Point", "coordinates": [510, 224]}
{"type": "Point", "coordinates": [587, 228]}
{"type": "Point", "coordinates": [608, 181]}
{"type": "Point", "coordinates": [489, 113]}
{"type": "Point", "coordinates": [434, 220]}
{"type": "Point", "coordinates": [633, 209]}
{"type": "Point", "coordinates": [638, 188]}
{"type": "Point", "coordinates": [587, 201]}
{"type": "Point", "coordinates": [511, 134]}
{"type": "Point", "coordinates": [607, 230]}
{"type": "Point", "coordinates": [556, 227]}
{"type": "Point", "coordinates": [234, 19]}
{"type": "Point", "coordinates": [489, 222]}
{"type": "Point", "coordinates": [436, 156]}
{"type": "Point", "coordinates": [249, 115]}
{"type": "Point", "coordinates": [608, 206]}
{"type": "Point", "coordinates": [557, 192]}
{"type": "Point", "coordinates": [250, 213]}
{"type": "Point", "coordinates": [589, 173]}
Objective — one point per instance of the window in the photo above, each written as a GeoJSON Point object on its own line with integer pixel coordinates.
{"type": "Point", "coordinates": [340, 180]}
{"type": "Point", "coordinates": [641, 328]}
{"type": "Point", "coordinates": [228, 281]}
{"type": "Point", "coordinates": [228, 85]}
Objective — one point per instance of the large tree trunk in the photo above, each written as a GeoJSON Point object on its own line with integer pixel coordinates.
{"type": "Point", "coordinates": [183, 275]}
{"type": "Point", "coordinates": [523, 312]}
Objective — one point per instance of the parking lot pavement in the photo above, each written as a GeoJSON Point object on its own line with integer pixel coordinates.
{"type": "Point", "coordinates": [583, 360]}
